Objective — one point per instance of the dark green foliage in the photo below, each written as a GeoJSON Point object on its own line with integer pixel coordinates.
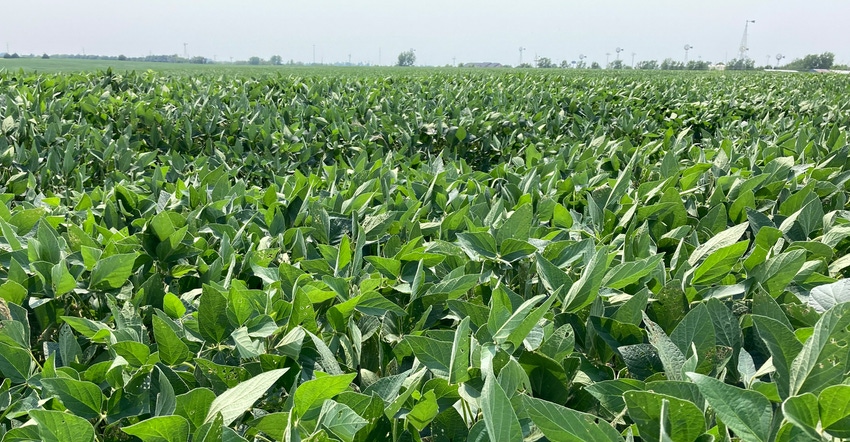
{"type": "Point", "coordinates": [491, 256]}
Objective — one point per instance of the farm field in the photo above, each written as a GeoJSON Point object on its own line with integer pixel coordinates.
{"type": "Point", "coordinates": [424, 255]}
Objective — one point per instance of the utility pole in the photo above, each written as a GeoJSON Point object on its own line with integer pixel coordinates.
{"type": "Point", "coordinates": [521, 49]}
{"type": "Point", "coordinates": [314, 54]}
{"type": "Point", "coordinates": [349, 59]}
{"type": "Point", "coordinates": [607, 57]}
{"type": "Point", "coordinates": [633, 59]}
{"type": "Point", "coordinates": [185, 50]}
{"type": "Point", "coordinates": [454, 63]}
{"type": "Point", "coordinates": [379, 55]}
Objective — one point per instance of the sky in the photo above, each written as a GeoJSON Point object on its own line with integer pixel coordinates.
{"type": "Point", "coordinates": [441, 31]}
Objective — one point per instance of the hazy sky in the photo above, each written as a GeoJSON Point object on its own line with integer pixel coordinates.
{"type": "Point", "coordinates": [470, 30]}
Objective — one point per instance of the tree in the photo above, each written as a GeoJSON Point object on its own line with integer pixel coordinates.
{"type": "Point", "coordinates": [545, 63]}
{"type": "Point", "coordinates": [565, 64]}
{"type": "Point", "coordinates": [813, 61]}
{"type": "Point", "coordinates": [198, 60]}
{"type": "Point", "coordinates": [407, 58]}
{"type": "Point", "coordinates": [524, 66]}
{"type": "Point", "coordinates": [45, 56]}
{"type": "Point", "coordinates": [616, 64]}
{"type": "Point", "coordinates": [672, 65]}
{"type": "Point", "coordinates": [255, 60]}
{"type": "Point", "coordinates": [740, 65]}
{"type": "Point", "coordinates": [595, 65]}
{"type": "Point", "coordinates": [698, 65]}
{"type": "Point", "coordinates": [276, 60]}
{"type": "Point", "coordinates": [647, 65]}
{"type": "Point", "coordinates": [122, 57]}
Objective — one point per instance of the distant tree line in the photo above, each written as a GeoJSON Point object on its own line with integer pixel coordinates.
{"type": "Point", "coordinates": [812, 61]}
{"type": "Point", "coordinates": [825, 60]}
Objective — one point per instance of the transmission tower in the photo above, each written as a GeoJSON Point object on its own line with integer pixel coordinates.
{"type": "Point", "coordinates": [744, 46]}
{"type": "Point", "coordinates": [521, 49]}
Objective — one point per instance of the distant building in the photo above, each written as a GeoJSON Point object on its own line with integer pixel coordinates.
{"type": "Point", "coordinates": [717, 67]}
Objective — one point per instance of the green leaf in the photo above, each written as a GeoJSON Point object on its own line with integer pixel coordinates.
{"type": "Point", "coordinates": [802, 411]}
{"type": "Point", "coordinates": [15, 363]}
{"type": "Point", "coordinates": [552, 277]}
{"type": "Point", "coordinates": [783, 347]}
{"type": "Point", "coordinates": [478, 245]}
{"type": "Point", "coordinates": [630, 272]}
{"type": "Point", "coordinates": [421, 415]}
{"type": "Point", "coordinates": [559, 344]}
{"type": "Point", "coordinates": [775, 274]}
{"type": "Point", "coordinates": [340, 420]}
{"type": "Point", "coordinates": [615, 333]}
{"type": "Point", "coordinates": [561, 217]}
{"type": "Point", "coordinates": [160, 429]}
{"type": "Point", "coordinates": [834, 410]}
{"type": "Point", "coordinates": [79, 397]}
{"type": "Point", "coordinates": [609, 393]}
{"type": "Point", "coordinates": [559, 423]}
{"type": "Point", "coordinates": [162, 225]}
{"type": "Point", "coordinates": [522, 321]}
{"type": "Point", "coordinates": [314, 392]}
{"type": "Point", "coordinates": [166, 401]}
{"type": "Point", "coordinates": [172, 349]}
{"type": "Point", "coordinates": [499, 416]}
{"type": "Point", "coordinates": [172, 306]}
{"type": "Point", "coordinates": [391, 268]}
{"type": "Point", "coordinates": [62, 280]}
{"type": "Point", "coordinates": [373, 303]}
{"type": "Point", "coordinates": [695, 330]}
{"type": "Point", "coordinates": [517, 225]}
{"type": "Point", "coordinates": [671, 357]}
{"type": "Point", "coordinates": [213, 322]}
{"type": "Point", "coordinates": [56, 426]}
{"type": "Point", "coordinates": [512, 250]}
{"type": "Point", "coordinates": [459, 361]}
{"type": "Point", "coordinates": [194, 405]}
{"type": "Point", "coordinates": [135, 353]}
{"type": "Point", "coordinates": [112, 272]}
{"type": "Point", "coordinates": [586, 288]}
{"type": "Point", "coordinates": [827, 347]}
{"type": "Point", "coordinates": [717, 265]}
{"type": "Point", "coordinates": [436, 355]}
{"type": "Point", "coordinates": [723, 239]}
{"type": "Point", "coordinates": [727, 330]}
{"type": "Point", "coordinates": [237, 400]}
{"type": "Point", "coordinates": [680, 420]}
{"type": "Point", "coordinates": [748, 413]}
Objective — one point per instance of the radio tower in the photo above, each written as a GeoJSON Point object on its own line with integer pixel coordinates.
{"type": "Point", "coordinates": [744, 47]}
